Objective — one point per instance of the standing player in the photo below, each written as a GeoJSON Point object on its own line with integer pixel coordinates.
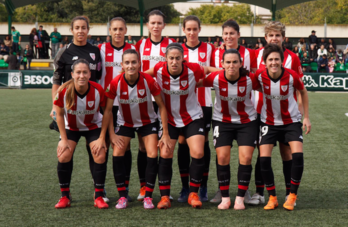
{"type": "Point", "coordinates": [281, 120]}
{"type": "Point", "coordinates": [230, 36]}
{"type": "Point", "coordinates": [199, 52]}
{"type": "Point", "coordinates": [78, 101]}
{"type": "Point", "coordinates": [111, 55]}
{"type": "Point", "coordinates": [275, 34]}
{"type": "Point", "coordinates": [133, 89]}
{"type": "Point", "coordinates": [178, 80]}
{"type": "Point", "coordinates": [234, 117]}
{"type": "Point", "coordinates": [78, 49]}
{"type": "Point", "coordinates": [152, 50]}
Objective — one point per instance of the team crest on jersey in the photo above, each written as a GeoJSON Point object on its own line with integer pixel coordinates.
{"type": "Point", "coordinates": [241, 89]}
{"type": "Point", "coordinates": [90, 103]}
{"type": "Point", "coordinates": [108, 88]}
{"type": "Point", "coordinates": [92, 56]}
{"type": "Point", "coordinates": [267, 87]}
{"type": "Point", "coordinates": [164, 49]}
{"type": "Point", "coordinates": [141, 92]}
{"type": "Point", "coordinates": [284, 87]}
{"type": "Point", "coordinates": [183, 83]}
{"type": "Point", "coordinates": [202, 54]}
{"type": "Point", "coordinates": [56, 97]}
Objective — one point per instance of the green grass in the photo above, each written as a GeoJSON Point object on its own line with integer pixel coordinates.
{"type": "Point", "coordinates": [29, 183]}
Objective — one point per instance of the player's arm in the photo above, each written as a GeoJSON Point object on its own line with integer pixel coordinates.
{"type": "Point", "coordinates": [57, 77]}
{"type": "Point", "coordinates": [151, 72]}
{"type": "Point", "coordinates": [305, 103]}
{"type": "Point", "coordinates": [63, 144]}
{"type": "Point", "coordinates": [209, 69]}
{"type": "Point", "coordinates": [165, 140]}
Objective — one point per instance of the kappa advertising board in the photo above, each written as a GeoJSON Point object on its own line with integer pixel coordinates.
{"type": "Point", "coordinates": [326, 82]}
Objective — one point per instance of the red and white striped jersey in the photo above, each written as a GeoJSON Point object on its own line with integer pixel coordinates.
{"type": "Point", "coordinates": [151, 53]}
{"type": "Point", "coordinates": [84, 114]}
{"type": "Point", "coordinates": [291, 61]}
{"type": "Point", "coordinates": [179, 93]}
{"type": "Point", "coordinates": [111, 63]}
{"type": "Point", "coordinates": [135, 105]}
{"type": "Point", "coordinates": [280, 106]}
{"type": "Point", "coordinates": [246, 54]}
{"type": "Point", "coordinates": [232, 99]}
{"type": "Point", "coordinates": [200, 54]}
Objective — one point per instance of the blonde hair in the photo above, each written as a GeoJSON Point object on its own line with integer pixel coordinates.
{"type": "Point", "coordinates": [70, 86]}
{"type": "Point", "coordinates": [275, 26]}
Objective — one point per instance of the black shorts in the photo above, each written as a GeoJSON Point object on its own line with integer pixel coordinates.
{"type": "Point", "coordinates": [196, 127]}
{"type": "Point", "coordinates": [143, 131]}
{"type": "Point", "coordinates": [114, 114]}
{"type": "Point", "coordinates": [90, 136]}
{"type": "Point", "coordinates": [270, 134]}
{"type": "Point", "coordinates": [207, 115]}
{"type": "Point", "coordinates": [225, 133]}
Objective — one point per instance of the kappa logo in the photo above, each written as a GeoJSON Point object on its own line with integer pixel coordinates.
{"type": "Point", "coordinates": [183, 83]}
{"type": "Point", "coordinates": [109, 54]}
{"type": "Point", "coordinates": [223, 89]}
{"type": "Point", "coordinates": [75, 58]}
{"type": "Point", "coordinates": [124, 93]}
{"type": "Point", "coordinates": [202, 54]}
{"type": "Point", "coordinates": [154, 129]}
{"type": "Point", "coordinates": [166, 82]}
{"type": "Point", "coordinates": [214, 141]}
{"type": "Point", "coordinates": [92, 56]}
{"type": "Point", "coordinates": [90, 103]}
{"type": "Point", "coordinates": [141, 92]}
{"type": "Point", "coordinates": [147, 49]}
{"type": "Point", "coordinates": [301, 137]}
{"type": "Point", "coordinates": [200, 130]}
{"type": "Point", "coordinates": [241, 89]}
{"type": "Point", "coordinates": [163, 49]}
{"type": "Point", "coordinates": [255, 142]}
{"type": "Point", "coordinates": [284, 87]}
{"type": "Point", "coordinates": [267, 87]}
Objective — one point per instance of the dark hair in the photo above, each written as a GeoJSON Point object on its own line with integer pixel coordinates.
{"type": "Point", "coordinates": [12, 27]}
{"type": "Point", "coordinates": [130, 51]}
{"type": "Point", "coordinates": [81, 60]}
{"type": "Point", "coordinates": [191, 17]}
{"type": "Point", "coordinates": [242, 71]}
{"type": "Point", "coordinates": [118, 19]}
{"type": "Point", "coordinates": [270, 48]}
{"type": "Point", "coordinates": [84, 18]}
{"type": "Point", "coordinates": [231, 23]}
{"type": "Point", "coordinates": [176, 46]}
{"type": "Point", "coordinates": [41, 26]}
{"type": "Point", "coordinates": [156, 12]}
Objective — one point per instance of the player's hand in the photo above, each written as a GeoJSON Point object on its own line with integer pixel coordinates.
{"type": "Point", "coordinates": [307, 123]}
{"type": "Point", "coordinates": [63, 146]}
{"type": "Point", "coordinates": [165, 142]}
{"type": "Point", "coordinates": [116, 140]}
{"type": "Point", "coordinates": [53, 115]}
{"type": "Point", "coordinates": [222, 46]}
{"type": "Point", "coordinates": [98, 145]}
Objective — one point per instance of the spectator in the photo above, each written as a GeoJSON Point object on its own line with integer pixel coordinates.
{"type": "Point", "coordinates": [66, 41]}
{"type": "Point", "coordinates": [302, 42]}
{"type": "Point", "coordinates": [287, 44]}
{"type": "Point", "coordinates": [19, 61]}
{"type": "Point", "coordinates": [296, 51]}
{"type": "Point", "coordinates": [305, 61]}
{"type": "Point", "coordinates": [33, 41]}
{"type": "Point", "coordinates": [302, 51]}
{"type": "Point", "coordinates": [331, 54]}
{"type": "Point", "coordinates": [107, 39]}
{"type": "Point", "coordinates": [130, 40]}
{"type": "Point", "coordinates": [323, 42]}
{"type": "Point", "coordinates": [4, 52]}
{"type": "Point", "coordinates": [45, 43]}
{"type": "Point", "coordinates": [340, 58]}
{"type": "Point", "coordinates": [323, 64]}
{"type": "Point", "coordinates": [11, 61]}
{"type": "Point", "coordinates": [313, 54]}
{"type": "Point", "coordinates": [322, 51]}
{"type": "Point", "coordinates": [98, 41]}
{"type": "Point", "coordinates": [313, 39]}
{"type": "Point", "coordinates": [28, 56]}
{"type": "Point", "coordinates": [56, 38]}
{"type": "Point", "coordinates": [210, 41]}
{"type": "Point", "coordinates": [8, 42]}
{"type": "Point", "coordinates": [184, 40]}
{"type": "Point", "coordinates": [244, 43]}
{"type": "Point", "coordinates": [178, 40]}
{"type": "Point", "coordinates": [260, 45]}
{"type": "Point", "coordinates": [90, 40]}
{"type": "Point", "coordinates": [217, 42]}
{"type": "Point", "coordinates": [259, 41]}
{"type": "Point", "coordinates": [16, 40]}
{"type": "Point", "coordinates": [332, 43]}
{"type": "Point", "coordinates": [1, 41]}
{"type": "Point", "coordinates": [331, 64]}
{"type": "Point", "coordinates": [256, 46]}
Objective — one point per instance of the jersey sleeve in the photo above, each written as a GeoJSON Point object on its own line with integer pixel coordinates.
{"type": "Point", "coordinates": [137, 46]}
{"type": "Point", "coordinates": [157, 67]}
{"type": "Point", "coordinates": [111, 90]}
{"type": "Point", "coordinates": [209, 80]}
{"type": "Point", "coordinates": [253, 61]}
{"type": "Point", "coordinates": [212, 60]}
{"type": "Point", "coordinates": [198, 70]}
{"type": "Point", "coordinates": [255, 80]}
{"type": "Point", "coordinates": [59, 65]}
{"type": "Point", "coordinates": [153, 85]}
{"type": "Point", "coordinates": [59, 99]}
{"type": "Point", "coordinates": [101, 93]}
{"type": "Point", "coordinates": [296, 66]}
{"type": "Point", "coordinates": [298, 83]}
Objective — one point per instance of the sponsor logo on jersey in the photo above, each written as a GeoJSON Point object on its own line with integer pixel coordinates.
{"type": "Point", "coordinates": [183, 83]}
{"type": "Point", "coordinates": [92, 66]}
{"type": "Point", "coordinates": [232, 99]}
{"type": "Point", "coordinates": [202, 54]}
{"type": "Point", "coordinates": [124, 93]}
{"type": "Point", "coordinates": [81, 112]}
{"type": "Point", "coordinates": [277, 97]}
{"type": "Point", "coordinates": [75, 58]}
{"type": "Point", "coordinates": [179, 92]}
{"type": "Point", "coordinates": [284, 87]}
{"type": "Point", "coordinates": [112, 64]}
{"type": "Point", "coordinates": [154, 58]}
{"type": "Point", "coordinates": [90, 103]}
{"type": "Point", "coordinates": [223, 89]}
{"type": "Point", "coordinates": [141, 92]}
{"type": "Point", "coordinates": [241, 89]}
{"type": "Point", "coordinates": [163, 49]}
{"type": "Point", "coordinates": [133, 101]}
{"type": "Point", "coordinates": [109, 54]}
{"type": "Point", "coordinates": [92, 56]}
{"type": "Point", "coordinates": [147, 49]}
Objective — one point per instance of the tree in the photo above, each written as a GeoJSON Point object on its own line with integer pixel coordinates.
{"type": "Point", "coordinates": [209, 14]}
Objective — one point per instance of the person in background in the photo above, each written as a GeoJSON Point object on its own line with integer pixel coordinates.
{"type": "Point", "coordinates": [313, 39]}
{"type": "Point", "coordinates": [340, 58]}
{"type": "Point", "coordinates": [66, 41]}
{"type": "Point", "coordinates": [98, 41]}
{"type": "Point", "coordinates": [16, 39]}
{"type": "Point", "coordinates": [130, 40]}
{"type": "Point", "coordinates": [45, 42]}
{"type": "Point", "coordinates": [313, 54]}
{"type": "Point", "coordinates": [256, 46]}
{"type": "Point", "coordinates": [259, 41]}
{"type": "Point", "coordinates": [301, 43]}
{"type": "Point", "coordinates": [4, 52]}
{"type": "Point", "coordinates": [287, 44]}
{"type": "Point", "coordinates": [296, 51]}
{"type": "Point", "coordinates": [209, 40]}
{"type": "Point", "coordinates": [107, 39]}
{"type": "Point", "coordinates": [27, 56]}
{"type": "Point", "coordinates": [331, 53]}
{"type": "Point", "coordinates": [217, 42]}
{"type": "Point", "coordinates": [8, 42]}
{"type": "Point", "coordinates": [55, 39]}
{"type": "Point", "coordinates": [178, 40]}
{"type": "Point", "coordinates": [323, 64]}
{"type": "Point", "coordinates": [332, 42]}
{"type": "Point", "coordinates": [331, 64]}
{"type": "Point", "coordinates": [11, 61]}
{"type": "Point", "coordinates": [302, 51]}
{"type": "Point", "coordinates": [90, 40]}
{"type": "Point", "coordinates": [322, 51]}
{"type": "Point", "coordinates": [33, 40]}
{"type": "Point", "coordinates": [305, 61]}
{"type": "Point", "coordinates": [323, 42]}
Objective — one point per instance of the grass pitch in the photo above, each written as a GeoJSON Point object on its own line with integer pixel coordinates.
{"type": "Point", "coordinates": [29, 184]}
